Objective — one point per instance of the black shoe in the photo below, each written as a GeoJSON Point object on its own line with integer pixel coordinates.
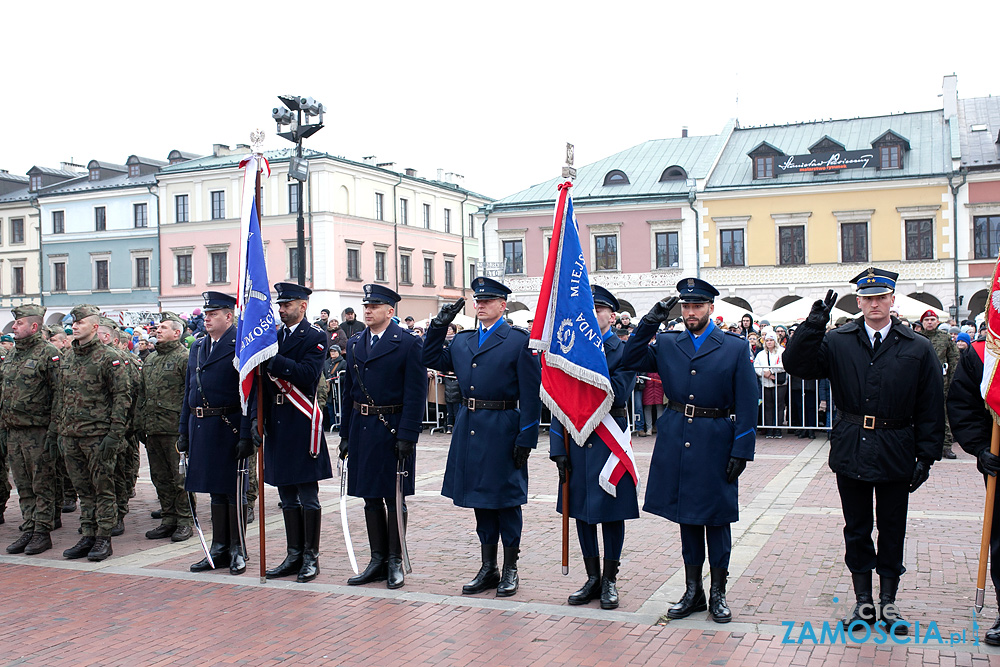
{"type": "Point", "coordinates": [864, 605]}
{"type": "Point", "coordinates": [312, 521]}
{"type": "Point", "coordinates": [182, 533]}
{"type": "Point", "coordinates": [378, 542]}
{"type": "Point", "coordinates": [40, 543]}
{"type": "Point", "coordinates": [609, 585]}
{"type": "Point", "coordinates": [992, 636]}
{"type": "Point", "coordinates": [948, 453]}
{"type": "Point", "coordinates": [394, 567]}
{"type": "Point", "coordinates": [717, 606]}
{"type": "Point", "coordinates": [220, 540]}
{"type": "Point", "coordinates": [591, 590]}
{"type": "Point", "coordinates": [488, 576]}
{"type": "Point", "coordinates": [68, 506]}
{"type": "Point", "coordinates": [57, 524]}
{"type": "Point", "coordinates": [508, 579]}
{"type": "Point", "coordinates": [100, 550]}
{"type": "Point", "coordinates": [119, 528]}
{"type": "Point", "coordinates": [694, 594]}
{"type": "Point", "coordinates": [155, 514]}
{"type": "Point", "coordinates": [161, 532]}
{"type": "Point", "coordinates": [81, 548]}
{"type": "Point", "coordinates": [891, 618]}
{"type": "Point", "coordinates": [237, 557]}
{"type": "Point", "coordinates": [220, 557]}
{"type": "Point", "coordinates": [250, 514]}
{"type": "Point", "coordinates": [294, 538]}
{"type": "Point", "coordinates": [18, 546]}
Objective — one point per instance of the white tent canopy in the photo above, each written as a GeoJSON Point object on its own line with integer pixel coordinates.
{"type": "Point", "coordinates": [730, 313]}
{"type": "Point", "coordinates": [912, 309]}
{"type": "Point", "coordinates": [797, 311]}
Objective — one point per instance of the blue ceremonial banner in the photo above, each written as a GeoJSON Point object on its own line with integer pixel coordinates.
{"type": "Point", "coordinates": [256, 333]}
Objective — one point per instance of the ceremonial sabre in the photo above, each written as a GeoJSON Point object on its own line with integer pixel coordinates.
{"type": "Point", "coordinates": [984, 547]}
{"type": "Point", "coordinates": [242, 474]}
{"type": "Point", "coordinates": [194, 513]}
{"type": "Point", "coordinates": [400, 523]}
{"type": "Point", "coordinates": [343, 516]}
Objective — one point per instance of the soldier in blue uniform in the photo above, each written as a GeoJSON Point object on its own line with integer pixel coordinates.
{"type": "Point", "coordinates": [590, 504]}
{"type": "Point", "coordinates": [214, 431]}
{"type": "Point", "coordinates": [385, 389]}
{"type": "Point", "coordinates": [496, 427]}
{"type": "Point", "coordinates": [290, 462]}
{"type": "Point", "coordinates": [704, 438]}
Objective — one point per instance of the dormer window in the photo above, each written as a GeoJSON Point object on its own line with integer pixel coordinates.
{"type": "Point", "coordinates": [616, 177]}
{"type": "Point", "coordinates": [891, 148]}
{"type": "Point", "coordinates": [674, 173]}
{"type": "Point", "coordinates": [133, 170]}
{"type": "Point", "coordinates": [827, 145]}
{"type": "Point", "coordinates": [35, 183]}
{"type": "Point", "coordinates": [95, 174]}
{"type": "Point", "coordinates": [764, 157]}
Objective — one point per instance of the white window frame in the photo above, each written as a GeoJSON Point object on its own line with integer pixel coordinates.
{"type": "Point", "coordinates": [209, 251]}
{"type": "Point", "coordinates": [513, 235]}
{"type": "Point", "coordinates": [659, 227]}
{"type": "Point", "coordinates": [790, 220]}
{"type": "Point", "coordinates": [907, 213]}
{"type": "Point", "coordinates": [355, 245]}
{"type": "Point", "coordinates": [95, 257]}
{"type": "Point", "coordinates": [178, 252]}
{"type": "Point", "coordinates": [851, 217]}
{"type": "Point", "coordinates": [147, 254]}
{"type": "Point", "coordinates": [61, 258]}
{"type": "Point", "coordinates": [605, 229]}
{"type": "Point", "coordinates": [731, 222]}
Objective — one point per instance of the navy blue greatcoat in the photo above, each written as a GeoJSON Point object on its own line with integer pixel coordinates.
{"type": "Point", "coordinates": [687, 474]}
{"type": "Point", "coordinates": [392, 374]}
{"type": "Point", "coordinates": [480, 471]}
{"type": "Point", "coordinates": [212, 452]}
{"type": "Point", "coordinates": [588, 502]}
{"type": "Point", "coordinates": [286, 430]}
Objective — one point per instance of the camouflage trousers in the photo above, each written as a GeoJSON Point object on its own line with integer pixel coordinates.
{"type": "Point", "coordinates": [4, 473]}
{"type": "Point", "coordinates": [252, 486]}
{"type": "Point", "coordinates": [64, 485]}
{"type": "Point", "coordinates": [126, 473]}
{"type": "Point", "coordinates": [93, 480]}
{"type": "Point", "coordinates": [34, 476]}
{"type": "Point", "coordinates": [167, 479]}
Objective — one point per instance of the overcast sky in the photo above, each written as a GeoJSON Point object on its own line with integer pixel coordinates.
{"type": "Point", "coordinates": [490, 90]}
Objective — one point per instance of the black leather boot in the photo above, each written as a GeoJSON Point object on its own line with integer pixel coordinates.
{"type": "Point", "coordinates": [294, 540]}
{"type": "Point", "coordinates": [81, 548]}
{"type": "Point", "coordinates": [609, 585]}
{"type": "Point", "coordinates": [220, 540]}
{"type": "Point", "coordinates": [508, 579]}
{"type": "Point", "coordinates": [378, 542]}
{"type": "Point", "coordinates": [394, 572]}
{"type": "Point", "coordinates": [312, 520]}
{"type": "Point", "coordinates": [992, 636]}
{"type": "Point", "coordinates": [864, 606]}
{"type": "Point", "coordinates": [488, 575]}
{"type": "Point", "coordinates": [100, 550]}
{"type": "Point", "coordinates": [592, 589]}
{"type": "Point", "coordinates": [694, 594]}
{"type": "Point", "coordinates": [237, 557]}
{"type": "Point", "coordinates": [40, 543]}
{"type": "Point", "coordinates": [18, 545]}
{"type": "Point", "coordinates": [119, 528]}
{"type": "Point", "coordinates": [891, 618]}
{"type": "Point", "coordinates": [717, 596]}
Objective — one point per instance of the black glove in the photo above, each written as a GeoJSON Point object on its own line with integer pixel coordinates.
{"type": "Point", "coordinates": [343, 448]}
{"type": "Point", "coordinates": [448, 313]}
{"type": "Point", "coordinates": [921, 472]}
{"type": "Point", "coordinates": [244, 449]}
{"type": "Point", "coordinates": [52, 446]}
{"type": "Point", "coordinates": [660, 311]}
{"type": "Point", "coordinates": [521, 455]}
{"type": "Point", "coordinates": [255, 432]}
{"type": "Point", "coordinates": [403, 449]}
{"type": "Point", "coordinates": [820, 313]}
{"type": "Point", "coordinates": [988, 463]}
{"type": "Point", "coordinates": [562, 465]}
{"type": "Point", "coordinates": [182, 443]}
{"type": "Point", "coordinates": [108, 449]}
{"type": "Point", "coordinates": [734, 468]}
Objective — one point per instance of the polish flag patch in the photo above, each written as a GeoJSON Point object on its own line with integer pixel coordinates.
{"type": "Point", "coordinates": [319, 347]}
{"type": "Point", "coordinates": [115, 362]}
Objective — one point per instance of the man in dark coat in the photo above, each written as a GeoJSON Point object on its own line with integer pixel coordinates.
{"type": "Point", "coordinates": [383, 398]}
{"type": "Point", "coordinates": [972, 426]}
{"type": "Point", "coordinates": [589, 503]}
{"type": "Point", "coordinates": [351, 325]}
{"type": "Point", "coordinates": [215, 433]}
{"type": "Point", "coordinates": [886, 384]}
{"type": "Point", "coordinates": [295, 453]}
{"type": "Point", "coordinates": [704, 438]}
{"type": "Point", "coordinates": [496, 428]}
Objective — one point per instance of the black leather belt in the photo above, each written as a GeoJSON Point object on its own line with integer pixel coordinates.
{"type": "Point", "coordinates": [479, 404]}
{"type": "Point", "coordinates": [871, 422]}
{"type": "Point", "coordinates": [201, 413]}
{"type": "Point", "coordinates": [619, 412]}
{"type": "Point", "coordinates": [366, 409]}
{"type": "Point", "coordinates": [689, 410]}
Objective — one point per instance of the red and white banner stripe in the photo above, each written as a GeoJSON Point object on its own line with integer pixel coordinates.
{"type": "Point", "coordinates": [310, 408]}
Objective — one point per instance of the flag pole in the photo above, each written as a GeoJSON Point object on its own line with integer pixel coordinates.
{"type": "Point", "coordinates": [984, 546]}
{"type": "Point", "coordinates": [565, 525]}
{"type": "Point", "coordinates": [260, 423]}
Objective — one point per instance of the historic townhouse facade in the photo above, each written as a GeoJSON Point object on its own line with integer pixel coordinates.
{"type": "Point", "coordinates": [363, 223]}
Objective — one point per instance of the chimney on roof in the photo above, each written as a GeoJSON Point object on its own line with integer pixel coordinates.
{"type": "Point", "coordinates": [242, 147]}
{"type": "Point", "coordinates": [220, 150]}
{"type": "Point", "coordinates": [949, 95]}
{"type": "Point", "coordinates": [411, 171]}
{"type": "Point", "coordinates": [440, 175]}
{"type": "Point", "coordinates": [684, 131]}
{"type": "Point", "coordinates": [71, 166]}
{"type": "Point", "coordinates": [369, 159]}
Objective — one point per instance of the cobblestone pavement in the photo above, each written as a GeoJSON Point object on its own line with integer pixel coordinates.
{"type": "Point", "coordinates": [144, 607]}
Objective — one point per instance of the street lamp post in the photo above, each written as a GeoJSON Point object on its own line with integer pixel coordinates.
{"type": "Point", "coordinates": [298, 168]}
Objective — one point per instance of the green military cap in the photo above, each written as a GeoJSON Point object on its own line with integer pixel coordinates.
{"type": "Point", "coordinates": [168, 316]}
{"type": "Point", "coordinates": [6, 338]}
{"type": "Point", "coordinates": [84, 310]}
{"type": "Point", "coordinates": [28, 310]}
{"type": "Point", "coordinates": [107, 322]}
{"type": "Point", "coordinates": [54, 329]}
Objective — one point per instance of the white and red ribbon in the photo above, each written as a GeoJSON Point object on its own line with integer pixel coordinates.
{"type": "Point", "coordinates": [310, 408]}
{"type": "Point", "coordinates": [622, 458]}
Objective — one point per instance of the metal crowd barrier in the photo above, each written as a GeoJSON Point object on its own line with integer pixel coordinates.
{"type": "Point", "coordinates": [434, 419]}
{"type": "Point", "coordinates": [334, 385]}
{"type": "Point", "coordinates": [791, 403]}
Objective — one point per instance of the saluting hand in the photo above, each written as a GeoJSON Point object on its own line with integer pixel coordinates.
{"type": "Point", "coordinates": [660, 312]}
{"type": "Point", "coordinates": [820, 313]}
{"type": "Point", "coordinates": [448, 313]}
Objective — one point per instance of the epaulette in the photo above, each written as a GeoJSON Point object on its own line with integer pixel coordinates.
{"type": "Point", "coordinates": [356, 335]}
{"type": "Point", "coordinates": [734, 335]}
{"type": "Point", "coordinates": [670, 331]}
{"type": "Point", "coordinates": [315, 326]}
{"type": "Point", "coordinates": [526, 332]}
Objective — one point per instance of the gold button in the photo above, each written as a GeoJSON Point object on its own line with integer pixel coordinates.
{"type": "Point", "coordinates": [687, 444]}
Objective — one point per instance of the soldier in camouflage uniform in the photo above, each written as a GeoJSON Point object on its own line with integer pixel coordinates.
{"type": "Point", "coordinates": [91, 413]}
{"type": "Point", "coordinates": [30, 374]}
{"type": "Point", "coordinates": [4, 458]}
{"type": "Point", "coordinates": [65, 493]}
{"type": "Point", "coordinates": [161, 395]}
{"type": "Point", "coordinates": [947, 353]}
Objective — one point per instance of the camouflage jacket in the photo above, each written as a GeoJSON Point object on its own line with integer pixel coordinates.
{"type": "Point", "coordinates": [92, 398]}
{"type": "Point", "coordinates": [947, 353]}
{"type": "Point", "coordinates": [161, 392]}
{"type": "Point", "coordinates": [30, 375]}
